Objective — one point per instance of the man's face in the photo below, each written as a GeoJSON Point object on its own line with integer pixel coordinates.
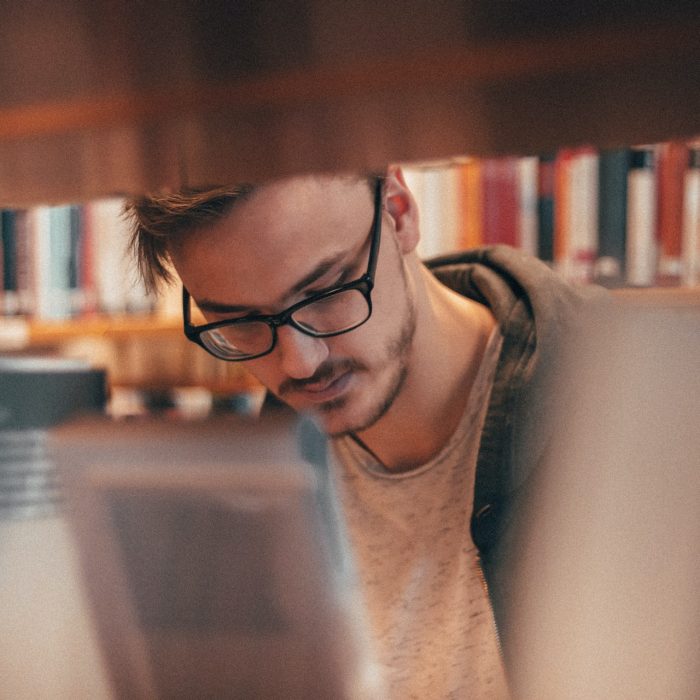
{"type": "Point", "coordinates": [290, 240]}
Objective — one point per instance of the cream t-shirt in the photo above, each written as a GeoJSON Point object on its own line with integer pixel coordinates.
{"type": "Point", "coordinates": [417, 567]}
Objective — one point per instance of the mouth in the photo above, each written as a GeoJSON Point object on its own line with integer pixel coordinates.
{"type": "Point", "coordinates": [322, 392]}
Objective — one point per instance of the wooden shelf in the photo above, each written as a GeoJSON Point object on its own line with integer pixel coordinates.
{"type": "Point", "coordinates": [147, 352]}
{"type": "Point", "coordinates": [19, 333]}
{"type": "Point", "coordinates": [245, 94]}
{"type": "Point", "coordinates": [576, 51]}
{"type": "Point", "coordinates": [667, 297]}
{"type": "Point", "coordinates": [112, 327]}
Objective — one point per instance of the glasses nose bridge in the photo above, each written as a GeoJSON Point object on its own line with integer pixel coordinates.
{"type": "Point", "coordinates": [282, 319]}
{"type": "Point", "coordinates": [285, 318]}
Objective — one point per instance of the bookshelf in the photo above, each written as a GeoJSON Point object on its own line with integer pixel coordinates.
{"type": "Point", "coordinates": [96, 103]}
{"type": "Point", "coordinates": [98, 98]}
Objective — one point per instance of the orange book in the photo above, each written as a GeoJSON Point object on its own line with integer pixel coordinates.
{"type": "Point", "coordinates": [562, 205]}
{"type": "Point", "coordinates": [471, 204]}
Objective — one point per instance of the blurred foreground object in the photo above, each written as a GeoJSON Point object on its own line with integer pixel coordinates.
{"type": "Point", "coordinates": [37, 393]}
{"type": "Point", "coordinates": [213, 558]}
{"type": "Point", "coordinates": [48, 647]}
{"type": "Point", "coordinates": [609, 566]}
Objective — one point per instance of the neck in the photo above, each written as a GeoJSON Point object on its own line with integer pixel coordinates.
{"type": "Point", "coordinates": [451, 336]}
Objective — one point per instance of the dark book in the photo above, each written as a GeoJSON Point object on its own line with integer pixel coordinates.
{"type": "Point", "coordinates": [8, 257]}
{"type": "Point", "coordinates": [545, 208]}
{"type": "Point", "coordinates": [74, 234]}
{"type": "Point", "coordinates": [613, 167]}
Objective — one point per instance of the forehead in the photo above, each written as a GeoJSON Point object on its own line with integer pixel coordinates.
{"type": "Point", "coordinates": [274, 237]}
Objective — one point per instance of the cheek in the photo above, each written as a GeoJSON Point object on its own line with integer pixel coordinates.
{"type": "Point", "coordinates": [390, 301]}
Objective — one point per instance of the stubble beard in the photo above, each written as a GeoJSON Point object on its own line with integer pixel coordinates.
{"type": "Point", "coordinates": [397, 351]}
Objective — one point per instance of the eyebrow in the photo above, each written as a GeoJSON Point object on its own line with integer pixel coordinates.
{"type": "Point", "coordinates": [319, 271]}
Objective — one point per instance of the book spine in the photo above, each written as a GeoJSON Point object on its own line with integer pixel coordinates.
{"type": "Point", "coordinates": [60, 253]}
{"type": "Point", "coordinates": [501, 202]}
{"type": "Point", "coordinates": [545, 208]}
{"type": "Point", "coordinates": [671, 169]}
{"type": "Point", "coordinates": [691, 219]}
{"type": "Point", "coordinates": [10, 295]}
{"type": "Point", "coordinates": [87, 262]}
{"type": "Point", "coordinates": [613, 167]}
{"type": "Point", "coordinates": [119, 290]}
{"type": "Point", "coordinates": [528, 203]}
{"type": "Point", "coordinates": [641, 248]}
{"type": "Point", "coordinates": [108, 255]}
{"type": "Point", "coordinates": [562, 206]}
{"type": "Point", "coordinates": [3, 226]}
{"type": "Point", "coordinates": [74, 262]}
{"type": "Point", "coordinates": [437, 192]}
{"type": "Point", "coordinates": [25, 267]}
{"type": "Point", "coordinates": [471, 204]}
{"type": "Point", "coordinates": [582, 222]}
{"type": "Point", "coordinates": [39, 251]}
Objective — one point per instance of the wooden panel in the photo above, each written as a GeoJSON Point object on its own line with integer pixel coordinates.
{"type": "Point", "coordinates": [107, 97]}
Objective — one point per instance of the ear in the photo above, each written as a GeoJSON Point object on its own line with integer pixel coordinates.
{"type": "Point", "coordinates": [402, 208]}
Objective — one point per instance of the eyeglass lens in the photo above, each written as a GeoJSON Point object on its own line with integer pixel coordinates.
{"type": "Point", "coordinates": [330, 315]}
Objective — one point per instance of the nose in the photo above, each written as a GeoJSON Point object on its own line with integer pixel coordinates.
{"type": "Point", "coordinates": [299, 354]}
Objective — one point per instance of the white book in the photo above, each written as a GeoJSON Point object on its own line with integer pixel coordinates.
{"type": "Point", "coordinates": [528, 168]}
{"type": "Point", "coordinates": [691, 224]}
{"type": "Point", "coordinates": [39, 235]}
{"type": "Point", "coordinates": [117, 285]}
{"type": "Point", "coordinates": [436, 189]}
{"type": "Point", "coordinates": [642, 247]}
{"type": "Point", "coordinates": [583, 217]}
{"type": "Point", "coordinates": [60, 251]}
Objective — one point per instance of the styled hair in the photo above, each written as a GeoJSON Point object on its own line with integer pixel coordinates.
{"type": "Point", "coordinates": [158, 218]}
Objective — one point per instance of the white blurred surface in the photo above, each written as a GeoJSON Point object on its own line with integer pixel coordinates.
{"type": "Point", "coordinates": [609, 578]}
{"type": "Point", "coordinates": [48, 645]}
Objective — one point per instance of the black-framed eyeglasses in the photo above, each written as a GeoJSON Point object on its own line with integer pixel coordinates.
{"type": "Point", "coordinates": [332, 312]}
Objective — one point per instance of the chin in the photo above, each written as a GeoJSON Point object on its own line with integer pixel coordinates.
{"type": "Point", "coordinates": [336, 420]}
{"type": "Point", "coordinates": [339, 418]}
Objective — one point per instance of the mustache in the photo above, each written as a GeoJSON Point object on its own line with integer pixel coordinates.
{"type": "Point", "coordinates": [326, 372]}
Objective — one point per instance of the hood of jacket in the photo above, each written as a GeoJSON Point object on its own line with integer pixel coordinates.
{"type": "Point", "coordinates": [535, 309]}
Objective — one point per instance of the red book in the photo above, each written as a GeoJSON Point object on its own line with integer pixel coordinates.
{"type": "Point", "coordinates": [501, 199]}
{"type": "Point", "coordinates": [672, 161]}
{"type": "Point", "coordinates": [87, 263]}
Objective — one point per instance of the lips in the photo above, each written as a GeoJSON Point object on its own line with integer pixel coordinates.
{"type": "Point", "coordinates": [321, 392]}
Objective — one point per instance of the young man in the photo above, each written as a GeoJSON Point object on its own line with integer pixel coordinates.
{"type": "Point", "coordinates": [431, 380]}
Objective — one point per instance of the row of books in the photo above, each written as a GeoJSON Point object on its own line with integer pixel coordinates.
{"type": "Point", "coordinates": [629, 216]}
{"type": "Point", "coordinates": [620, 217]}
{"type": "Point", "coordinates": [59, 262]}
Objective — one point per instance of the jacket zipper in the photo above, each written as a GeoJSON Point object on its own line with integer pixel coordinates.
{"type": "Point", "coordinates": [485, 586]}
{"type": "Point", "coordinates": [493, 623]}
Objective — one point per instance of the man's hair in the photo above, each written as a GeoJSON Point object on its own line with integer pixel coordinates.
{"type": "Point", "coordinates": [158, 218]}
